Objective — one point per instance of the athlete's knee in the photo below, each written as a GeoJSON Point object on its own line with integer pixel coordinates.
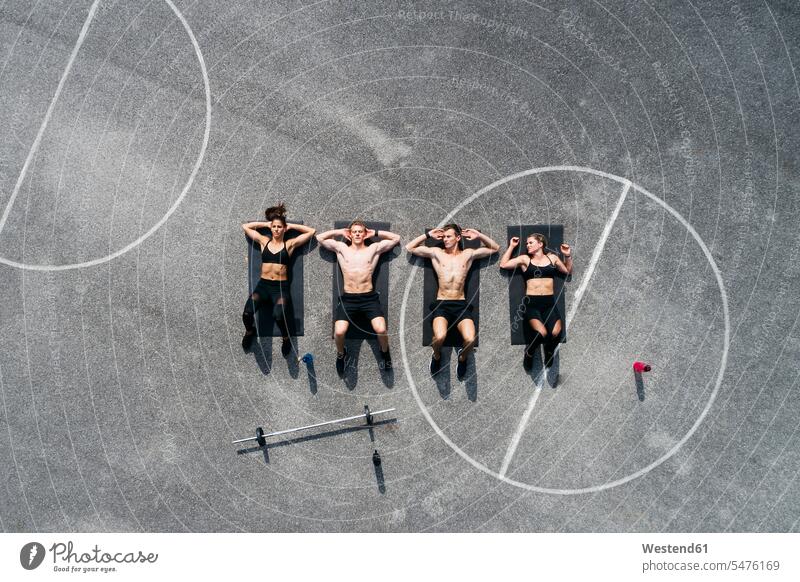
{"type": "Point", "coordinates": [279, 312]}
{"type": "Point", "coordinates": [468, 337]}
{"type": "Point", "coordinates": [249, 307]}
{"type": "Point", "coordinates": [248, 314]}
{"type": "Point", "coordinates": [539, 335]}
{"type": "Point", "coordinates": [379, 327]}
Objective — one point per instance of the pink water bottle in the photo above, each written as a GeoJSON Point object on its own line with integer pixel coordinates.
{"type": "Point", "coordinates": [640, 367]}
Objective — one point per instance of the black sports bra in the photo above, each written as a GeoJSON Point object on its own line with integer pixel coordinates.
{"type": "Point", "coordinates": [535, 272]}
{"type": "Point", "coordinates": [281, 257]}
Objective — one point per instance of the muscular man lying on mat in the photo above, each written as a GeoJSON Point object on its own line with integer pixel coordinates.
{"type": "Point", "coordinates": [451, 308]}
{"type": "Point", "coordinates": [357, 262]}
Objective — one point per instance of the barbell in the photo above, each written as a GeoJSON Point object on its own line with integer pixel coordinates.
{"type": "Point", "coordinates": [261, 437]}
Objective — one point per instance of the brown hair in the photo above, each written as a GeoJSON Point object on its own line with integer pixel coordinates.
{"type": "Point", "coordinates": [277, 213]}
{"type": "Point", "coordinates": [358, 223]}
{"type": "Point", "coordinates": [454, 227]}
{"type": "Point", "coordinates": [541, 238]}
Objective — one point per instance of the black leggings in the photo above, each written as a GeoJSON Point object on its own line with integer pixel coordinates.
{"type": "Point", "coordinates": [277, 293]}
{"type": "Point", "coordinates": [544, 309]}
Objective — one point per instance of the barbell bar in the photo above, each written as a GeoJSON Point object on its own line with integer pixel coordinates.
{"type": "Point", "coordinates": [261, 437]}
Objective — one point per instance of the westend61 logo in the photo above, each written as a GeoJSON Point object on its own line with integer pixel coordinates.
{"type": "Point", "coordinates": [66, 560]}
{"type": "Point", "coordinates": [31, 555]}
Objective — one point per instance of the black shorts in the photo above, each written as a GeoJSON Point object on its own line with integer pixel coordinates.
{"type": "Point", "coordinates": [543, 308]}
{"type": "Point", "coordinates": [272, 291]}
{"type": "Point", "coordinates": [453, 310]}
{"type": "Point", "coordinates": [350, 305]}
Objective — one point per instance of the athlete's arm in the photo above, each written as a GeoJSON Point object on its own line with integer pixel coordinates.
{"type": "Point", "coordinates": [306, 232]}
{"type": "Point", "coordinates": [489, 246]}
{"type": "Point", "coordinates": [506, 262]}
{"type": "Point", "coordinates": [326, 240]}
{"type": "Point", "coordinates": [387, 240]}
{"type": "Point", "coordinates": [418, 249]}
{"type": "Point", "coordinates": [565, 266]}
{"type": "Point", "coordinates": [249, 229]}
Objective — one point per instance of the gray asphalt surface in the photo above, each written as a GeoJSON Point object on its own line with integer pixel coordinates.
{"type": "Point", "coordinates": [133, 150]}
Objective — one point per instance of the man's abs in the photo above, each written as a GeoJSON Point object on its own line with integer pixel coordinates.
{"type": "Point", "coordinates": [451, 280]}
{"type": "Point", "coordinates": [357, 273]}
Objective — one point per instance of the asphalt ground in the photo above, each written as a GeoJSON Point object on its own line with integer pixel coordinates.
{"type": "Point", "coordinates": [139, 136]}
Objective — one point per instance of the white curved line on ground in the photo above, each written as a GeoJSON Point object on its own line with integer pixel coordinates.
{"type": "Point", "coordinates": [720, 373]}
{"type": "Point", "coordinates": [49, 113]}
{"type": "Point", "coordinates": [187, 186]}
{"type": "Point", "coordinates": [576, 301]}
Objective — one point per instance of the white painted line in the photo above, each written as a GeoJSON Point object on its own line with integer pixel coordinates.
{"type": "Point", "coordinates": [520, 429]}
{"type": "Point", "coordinates": [198, 162]}
{"type": "Point", "coordinates": [726, 342]}
{"type": "Point", "coordinates": [598, 250]}
{"type": "Point", "coordinates": [48, 114]}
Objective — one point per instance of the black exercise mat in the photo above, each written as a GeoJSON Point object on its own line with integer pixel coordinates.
{"type": "Point", "coordinates": [360, 327]}
{"type": "Point", "coordinates": [521, 333]}
{"type": "Point", "coordinates": [265, 324]}
{"type": "Point", "coordinates": [472, 290]}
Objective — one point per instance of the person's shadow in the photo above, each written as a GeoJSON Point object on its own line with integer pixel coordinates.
{"type": "Point", "coordinates": [537, 371]}
{"type": "Point", "coordinates": [262, 351]}
{"type": "Point", "coordinates": [471, 378]}
{"type": "Point", "coordinates": [442, 377]}
{"type": "Point", "coordinates": [554, 369]}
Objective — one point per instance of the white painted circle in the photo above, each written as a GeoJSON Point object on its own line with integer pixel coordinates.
{"type": "Point", "coordinates": [178, 200]}
{"type": "Point", "coordinates": [720, 373]}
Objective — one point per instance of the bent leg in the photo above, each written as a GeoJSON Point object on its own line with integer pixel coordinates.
{"type": "Point", "coordinates": [553, 338]}
{"type": "Point", "coordinates": [379, 327]}
{"type": "Point", "coordinates": [539, 335]}
{"type": "Point", "coordinates": [468, 334]}
{"type": "Point", "coordinates": [340, 327]}
{"type": "Point", "coordinates": [439, 326]}
{"type": "Point", "coordinates": [249, 313]}
{"type": "Point", "coordinates": [280, 314]}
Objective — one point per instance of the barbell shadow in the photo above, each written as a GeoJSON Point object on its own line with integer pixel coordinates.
{"type": "Point", "coordinates": [316, 436]}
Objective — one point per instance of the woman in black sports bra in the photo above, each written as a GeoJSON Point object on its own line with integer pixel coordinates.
{"type": "Point", "coordinates": [274, 283]}
{"type": "Point", "coordinates": [541, 312]}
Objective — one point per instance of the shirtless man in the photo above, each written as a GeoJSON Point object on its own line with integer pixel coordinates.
{"type": "Point", "coordinates": [451, 308]}
{"type": "Point", "coordinates": [357, 262]}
